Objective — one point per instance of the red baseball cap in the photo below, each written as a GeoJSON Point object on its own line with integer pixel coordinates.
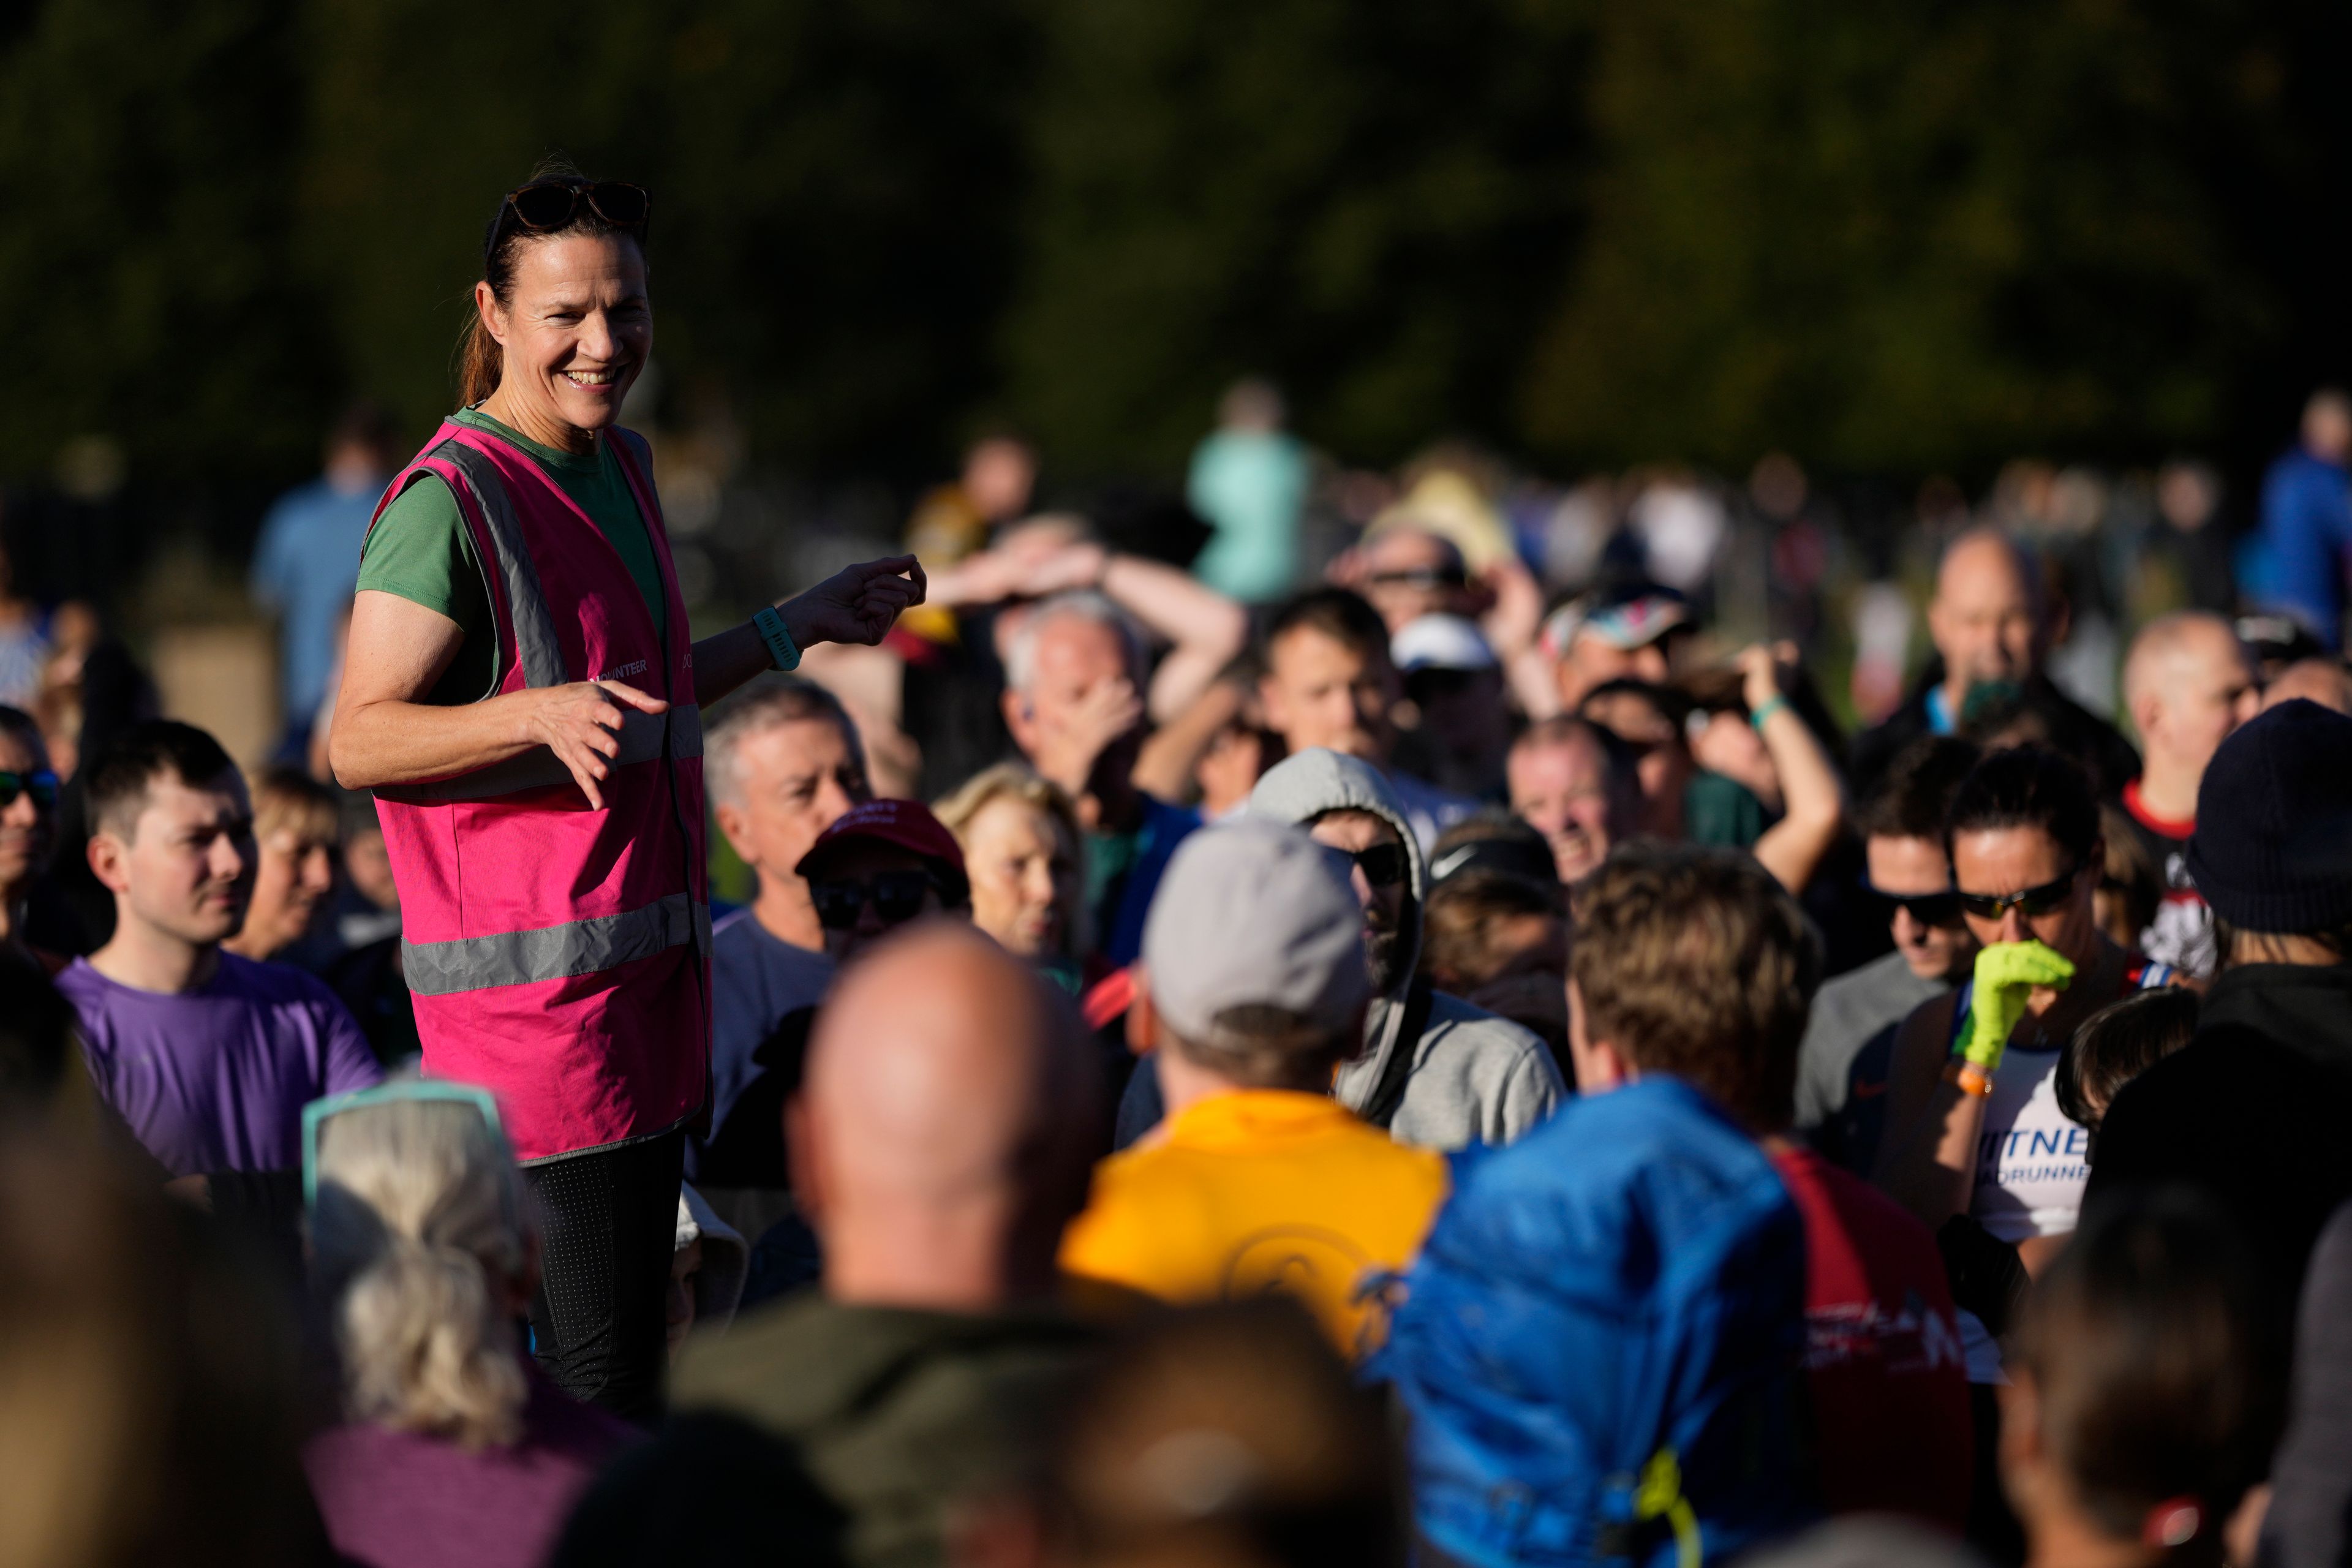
{"type": "Point", "coordinates": [908, 824]}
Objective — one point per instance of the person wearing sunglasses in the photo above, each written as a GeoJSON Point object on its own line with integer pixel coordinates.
{"type": "Point", "coordinates": [1973, 1123]}
{"type": "Point", "coordinates": [28, 825]}
{"type": "Point", "coordinates": [882, 864]}
{"type": "Point", "coordinates": [1433, 1069]}
{"type": "Point", "coordinates": [452, 1447]}
{"type": "Point", "coordinates": [523, 695]}
{"type": "Point", "coordinates": [1849, 1042]}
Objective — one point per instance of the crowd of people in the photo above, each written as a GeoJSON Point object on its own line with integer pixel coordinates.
{"type": "Point", "coordinates": [1353, 1062]}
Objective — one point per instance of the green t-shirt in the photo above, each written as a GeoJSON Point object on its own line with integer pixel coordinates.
{"type": "Point", "coordinates": [421, 549]}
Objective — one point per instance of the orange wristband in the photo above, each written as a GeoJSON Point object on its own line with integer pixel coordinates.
{"type": "Point", "coordinates": [1972, 1080]}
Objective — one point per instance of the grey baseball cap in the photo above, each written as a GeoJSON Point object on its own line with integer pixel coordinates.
{"type": "Point", "coordinates": [1255, 913]}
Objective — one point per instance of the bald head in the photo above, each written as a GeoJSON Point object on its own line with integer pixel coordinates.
{"type": "Point", "coordinates": [2327, 424]}
{"type": "Point", "coordinates": [2321, 680]}
{"type": "Point", "coordinates": [2188, 682]}
{"type": "Point", "coordinates": [940, 1139]}
{"type": "Point", "coordinates": [1988, 618]}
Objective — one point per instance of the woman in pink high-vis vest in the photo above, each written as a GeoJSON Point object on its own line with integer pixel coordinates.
{"type": "Point", "coordinates": [521, 694]}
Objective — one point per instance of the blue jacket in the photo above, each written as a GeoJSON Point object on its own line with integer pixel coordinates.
{"type": "Point", "coordinates": [1601, 1345]}
{"type": "Point", "coordinates": [2298, 560]}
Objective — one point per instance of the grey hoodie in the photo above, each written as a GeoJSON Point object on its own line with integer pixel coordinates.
{"type": "Point", "coordinates": [1475, 1078]}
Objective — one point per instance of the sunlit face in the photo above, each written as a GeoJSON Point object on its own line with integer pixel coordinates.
{"type": "Point", "coordinates": [2206, 689]}
{"type": "Point", "coordinates": [27, 827]}
{"type": "Point", "coordinates": [1024, 876]}
{"type": "Point", "coordinates": [1999, 861]}
{"type": "Point", "coordinates": [1319, 692]}
{"type": "Point", "coordinates": [1352, 832]}
{"type": "Point", "coordinates": [789, 782]}
{"type": "Point", "coordinates": [1916, 868]}
{"type": "Point", "coordinates": [187, 868]}
{"type": "Point", "coordinates": [296, 875]}
{"type": "Point", "coordinates": [1562, 790]}
{"type": "Point", "coordinates": [1983, 619]}
{"type": "Point", "coordinates": [577, 328]}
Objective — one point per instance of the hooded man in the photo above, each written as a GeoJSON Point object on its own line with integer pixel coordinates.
{"type": "Point", "coordinates": [1435, 1070]}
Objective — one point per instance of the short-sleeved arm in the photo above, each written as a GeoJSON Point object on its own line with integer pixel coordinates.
{"type": "Point", "coordinates": [350, 1064]}
{"type": "Point", "coordinates": [421, 551]}
{"type": "Point", "coordinates": [1531, 1093]}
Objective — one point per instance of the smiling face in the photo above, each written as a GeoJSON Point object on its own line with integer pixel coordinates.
{"type": "Point", "coordinates": [576, 328]}
{"type": "Point", "coordinates": [1562, 789]}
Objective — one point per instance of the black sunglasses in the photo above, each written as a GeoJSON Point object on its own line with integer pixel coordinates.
{"type": "Point", "coordinates": [897, 897]}
{"type": "Point", "coordinates": [2034, 901]}
{"type": "Point", "coordinates": [1420, 578]}
{"type": "Point", "coordinates": [42, 787]}
{"type": "Point", "coordinates": [1928, 909]}
{"type": "Point", "coordinates": [1384, 864]}
{"type": "Point", "coordinates": [552, 204]}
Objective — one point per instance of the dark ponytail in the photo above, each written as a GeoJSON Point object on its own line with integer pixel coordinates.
{"type": "Point", "coordinates": [481, 363]}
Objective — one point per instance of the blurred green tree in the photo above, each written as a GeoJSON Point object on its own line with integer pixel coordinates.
{"type": "Point", "coordinates": [1360, 197]}
{"type": "Point", "coordinates": [145, 204]}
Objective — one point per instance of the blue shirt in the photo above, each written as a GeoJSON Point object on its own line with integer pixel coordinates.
{"type": "Point", "coordinates": [757, 979]}
{"type": "Point", "coordinates": [2305, 528]}
{"type": "Point", "coordinates": [1143, 855]}
{"type": "Point", "coordinates": [304, 568]}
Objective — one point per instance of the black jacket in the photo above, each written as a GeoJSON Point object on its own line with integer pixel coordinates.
{"type": "Point", "coordinates": [2257, 1111]}
{"type": "Point", "coordinates": [2078, 733]}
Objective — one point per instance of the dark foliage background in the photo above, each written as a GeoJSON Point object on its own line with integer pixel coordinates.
{"type": "Point", "coordinates": [1886, 239]}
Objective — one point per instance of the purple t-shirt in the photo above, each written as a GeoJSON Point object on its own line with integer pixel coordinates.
{"type": "Point", "coordinates": [393, 1499]}
{"type": "Point", "coordinates": [215, 1079]}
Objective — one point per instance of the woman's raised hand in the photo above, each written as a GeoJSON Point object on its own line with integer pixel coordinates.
{"type": "Point", "coordinates": [580, 723]}
{"type": "Point", "coordinates": [857, 604]}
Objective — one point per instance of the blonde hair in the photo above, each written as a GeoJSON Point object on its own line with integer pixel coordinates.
{"type": "Point", "coordinates": [418, 1223]}
{"type": "Point", "coordinates": [962, 806]}
{"type": "Point", "coordinates": [289, 797]}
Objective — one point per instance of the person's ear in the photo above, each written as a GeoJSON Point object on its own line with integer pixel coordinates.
{"type": "Point", "coordinates": [493, 313]}
{"type": "Point", "coordinates": [1142, 1018]}
{"type": "Point", "coordinates": [733, 827]}
{"type": "Point", "coordinates": [1270, 699]}
{"type": "Point", "coordinates": [1020, 717]}
{"type": "Point", "coordinates": [2146, 709]}
{"type": "Point", "coordinates": [109, 862]}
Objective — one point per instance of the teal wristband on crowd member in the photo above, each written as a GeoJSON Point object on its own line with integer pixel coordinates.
{"type": "Point", "coordinates": [1771, 705]}
{"type": "Point", "coordinates": [782, 650]}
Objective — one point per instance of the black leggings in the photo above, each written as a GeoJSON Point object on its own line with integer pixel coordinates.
{"type": "Point", "coordinates": [608, 1224]}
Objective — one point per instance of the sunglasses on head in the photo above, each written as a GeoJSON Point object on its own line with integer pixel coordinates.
{"type": "Point", "coordinates": [897, 897]}
{"type": "Point", "coordinates": [1420, 578]}
{"type": "Point", "coordinates": [1928, 909]}
{"type": "Point", "coordinates": [552, 204]}
{"type": "Point", "coordinates": [1384, 864]}
{"type": "Point", "coordinates": [42, 787]}
{"type": "Point", "coordinates": [2047, 898]}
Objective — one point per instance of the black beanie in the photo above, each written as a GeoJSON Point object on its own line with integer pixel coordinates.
{"type": "Point", "coordinates": [2273, 850]}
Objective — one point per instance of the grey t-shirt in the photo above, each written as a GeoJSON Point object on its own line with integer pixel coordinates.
{"type": "Point", "coordinates": [1842, 1066]}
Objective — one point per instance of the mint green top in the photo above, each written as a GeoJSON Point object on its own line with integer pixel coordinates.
{"type": "Point", "coordinates": [421, 549]}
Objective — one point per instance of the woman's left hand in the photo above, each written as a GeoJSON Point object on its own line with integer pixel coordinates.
{"type": "Point", "coordinates": [857, 604]}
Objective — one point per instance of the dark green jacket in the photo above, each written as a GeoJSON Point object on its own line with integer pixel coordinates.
{"type": "Point", "coordinates": [899, 1415]}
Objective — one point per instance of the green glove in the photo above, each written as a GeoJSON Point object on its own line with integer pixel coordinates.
{"type": "Point", "coordinates": [2006, 972]}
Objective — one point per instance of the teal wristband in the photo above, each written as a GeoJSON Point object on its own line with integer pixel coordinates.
{"type": "Point", "coordinates": [782, 650]}
{"type": "Point", "coordinates": [1772, 705]}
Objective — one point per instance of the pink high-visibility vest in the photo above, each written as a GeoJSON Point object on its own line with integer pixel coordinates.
{"type": "Point", "coordinates": [557, 955]}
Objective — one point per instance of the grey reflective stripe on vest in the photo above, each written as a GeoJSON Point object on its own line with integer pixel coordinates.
{"type": "Point", "coordinates": [554, 953]}
{"type": "Point", "coordinates": [539, 768]}
{"type": "Point", "coordinates": [534, 629]}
